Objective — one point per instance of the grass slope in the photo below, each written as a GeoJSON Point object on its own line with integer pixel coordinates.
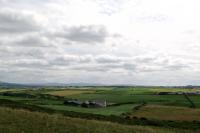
{"type": "Point", "coordinates": [21, 121]}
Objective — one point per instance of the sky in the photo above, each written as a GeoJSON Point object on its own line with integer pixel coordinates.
{"type": "Point", "coordinates": [139, 42]}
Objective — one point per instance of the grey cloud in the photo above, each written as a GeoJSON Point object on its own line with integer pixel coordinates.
{"type": "Point", "coordinates": [33, 41]}
{"type": "Point", "coordinates": [106, 67]}
{"type": "Point", "coordinates": [91, 68]}
{"type": "Point", "coordinates": [16, 22]}
{"type": "Point", "coordinates": [106, 59]}
{"type": "Point", "coordinates": [27, 40]}
{"type": "Point", "coordinates": [133, 64]}
{"type": "Point", "coordinates": [28, 62]}
{"type": "Point", "coordinates": [145, 59]}
{"type": "Point", "coordinates": [67, 60]}
{"type": "Point", "coordinates": [130, 66]}
{"type": "Point", "coordinates": [95, 64]}
{"type": "Point", "coordinates": [84, 34]}
{"type": "Point", "coordinates": [177, 64]}
{"type": "Point", "coordinates": [117, 35]}
{"type": "Point", "coordinates": [20, 52]}
{"type": "Point", "coordinates": [175, 67]}
{"type": "Point", "coordinates": [23, 75]}
{"type": "Point", "coordinates": [168, 63]}
{"type": "Point", "coordinates": [38, 57]}
{"type": "Point", "coordinates": [144, 63]}
{"type": "Point", "coordinates": [35, 53]}
{"type": "Point", "coordinates": [24, 65]}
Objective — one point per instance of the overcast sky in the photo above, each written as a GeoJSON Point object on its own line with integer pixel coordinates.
{"type": "Point", "coordinates": [142, 42]}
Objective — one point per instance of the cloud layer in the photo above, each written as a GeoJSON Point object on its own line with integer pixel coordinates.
{"type": "Point", "coordinates": [112, 42]}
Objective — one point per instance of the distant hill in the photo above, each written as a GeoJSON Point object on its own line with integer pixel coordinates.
{"type": "Point", "coordinates": [79, 84]}
{"type": "Point", "coordinates": [6, 84]}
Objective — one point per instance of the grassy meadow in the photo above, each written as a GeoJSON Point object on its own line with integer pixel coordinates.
{"type": "Point", "coordinates": [21, 121]}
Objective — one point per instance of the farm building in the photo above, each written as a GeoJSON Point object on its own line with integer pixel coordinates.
{"type": "Point", "coordinates": [73, 102]}
{"type": "Point", "coordinates": [87, 104]}
{"type": "Point", "coordinates": [97, 103]}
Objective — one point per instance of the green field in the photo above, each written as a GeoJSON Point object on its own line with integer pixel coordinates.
{"type": "Point", "coordinates": [129, 95]}
{"type": "Point", "coordinates": [70, 92]}
{"type": "Point", "coordinates": [115, 110]}
{"type": "Point", "coordinates": [135, 103]}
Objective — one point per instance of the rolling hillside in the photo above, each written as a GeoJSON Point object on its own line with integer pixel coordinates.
{"type": "Point", "coordinates": [18, 121]}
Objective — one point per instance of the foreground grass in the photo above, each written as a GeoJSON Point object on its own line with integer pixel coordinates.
{"type": "Point", "coordinates": [168, 113]}
{"type": "Point", "coordinates": [19, 121]}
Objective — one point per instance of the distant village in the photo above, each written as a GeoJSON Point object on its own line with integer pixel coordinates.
{"type": "Point", "coordinates": [87, 104]}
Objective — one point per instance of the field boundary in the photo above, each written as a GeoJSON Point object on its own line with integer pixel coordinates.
{"type": "Point", "coordinates": [192, 105]}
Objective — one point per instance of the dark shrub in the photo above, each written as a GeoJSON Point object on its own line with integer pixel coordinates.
{"type": "Point", "coordinates": [134, 117]}
{"type": "Point", "coordinates": [143, 118]}
{"type": "Point", "coordinates": [127, 117]}
{"type": "Point", "coordinates": [84, 105]}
